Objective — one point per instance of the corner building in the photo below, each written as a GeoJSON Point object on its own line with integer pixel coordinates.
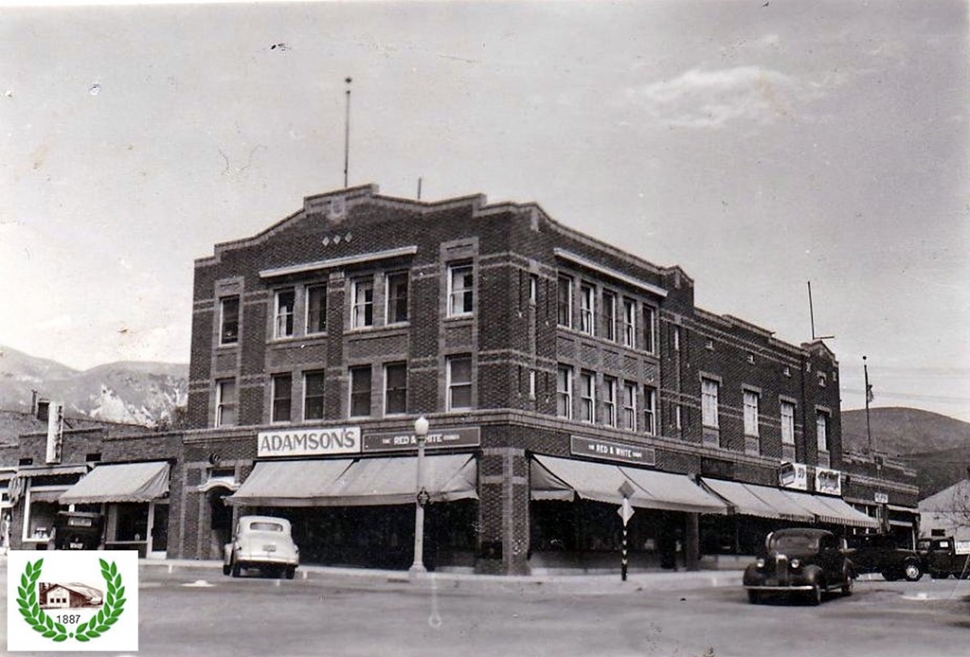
{"type": "Point", "coordinates": [558, 374]}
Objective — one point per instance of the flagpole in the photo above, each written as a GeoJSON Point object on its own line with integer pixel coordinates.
{"type": "Point", "coordinates": [865, 369]}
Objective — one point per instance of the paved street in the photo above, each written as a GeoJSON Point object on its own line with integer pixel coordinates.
{"type": "Point", "coordinates": [197, 611]}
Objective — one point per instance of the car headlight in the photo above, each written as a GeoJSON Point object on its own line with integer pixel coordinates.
{"type": "Point", "coordinates": [760, 563]}
{"type": "Point", "coordinates": [795, 563]}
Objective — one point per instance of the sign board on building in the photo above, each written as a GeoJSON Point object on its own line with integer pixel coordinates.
{"type": "Point", "coordinates": [793, 475]}
{"type": "Point", "coordinates": [605, 449]}
{"type": "Point", "coordinates": [318, 441]}
{"type": "Point", "coordinates": [828, 481]}
{"type": "Point", "coordinates": [881, 498]}
{"type": "Point", "coordinates": [438, 439]}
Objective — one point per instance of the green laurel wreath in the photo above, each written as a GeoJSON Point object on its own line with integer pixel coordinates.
{"type": "Point", "coordinates": [111, 608]}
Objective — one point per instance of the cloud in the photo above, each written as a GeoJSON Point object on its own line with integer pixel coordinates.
{"type": "Point", "coordinates": [711, 98]}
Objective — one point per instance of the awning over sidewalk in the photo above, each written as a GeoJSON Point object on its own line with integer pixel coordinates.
{"type": "Point", "coordinates": [832, 510]}
{"type": "Point", "coordinates": [289, 483]}
{"type": "Point", "coordinates": [124, 482]}
{"type": "Point", "coordinates": [554, 478]}
{"type": "Point", "coordinates": [781, 502]}
{"type": "Point", "coordinates": [363, 482]}
{"type": "Point", "coordinates": [744, 498]}
{"type": "Point", "coordinates": [392, 480]}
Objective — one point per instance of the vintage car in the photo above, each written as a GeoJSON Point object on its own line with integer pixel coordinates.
{"type": "Point", "coordinates": [806, 562]}
{"type": "Point", "coordinates": [946, 556]}
{"type": "Point", "coordinates": [264, 543]}
{"type": "Point", "coordinates": [880, 553]}
{"type": "Point", "coordinates": [76, 530]}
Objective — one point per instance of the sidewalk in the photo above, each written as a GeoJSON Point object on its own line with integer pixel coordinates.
{"type": "Point", "coordinates": [584, 584]}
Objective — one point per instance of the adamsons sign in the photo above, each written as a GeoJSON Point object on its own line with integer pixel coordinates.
{"type": "Point", "coordinates": [320, 441]}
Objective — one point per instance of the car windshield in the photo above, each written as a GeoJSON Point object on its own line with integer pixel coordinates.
{"type": "Point", "coordinates": [266, 527]}
{"type": "Point", "coordinates": [794, 542]}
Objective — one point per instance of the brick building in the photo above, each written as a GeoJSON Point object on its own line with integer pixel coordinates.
{"type": "Point", "coordinates": [554, 369]}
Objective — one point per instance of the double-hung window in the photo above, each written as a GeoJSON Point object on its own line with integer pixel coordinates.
{"type": "Point", "coordinates": [285, 303]}
{"type": "Point", "coordinates": [395, 389]}
{"type": "Point", "coordinates": [362, 303]}
{"type": "Point", "coordinates": [629, 323]}
{"type": "Point", "coordinates": [629, 406]}
{"type": "Point", "coordinates": [650, 328]}
{"type": "Point", "coordinates": [396, 287]}
{"type": "Point", "coordinates": [822, 430]}
{"type": "Point", "coordinates": [650, 410]}
{"type": "Point", "coordinates": [313, 395]}
{"type": "Point", "coordinates": [787, 431]}
{"type": "Point", "coordinates": [587, 397]}
{"type": "Point", "coordinates": [609, 401]}
{"type": "Point", "coordinates": [461, 290]}
{"type": "Point", "coordinates": [225, 402]}
{"type": "Point", "coordinates": [360, 389]}
{"type": "Point", "coordinates": [316, 309]}
{"type": "Point", "coordinates": [564, 392]}
{"type": "Point", "coordinates": [229, 320]}
{"type": "Point", "coordinates": [459, 382]}
{"type": "Point", "coordinates": [709, 402]}
{"type": "Point", "coordinates": [609, 315]}
{"type": "Point", "coordinates": [564, 302]}
{"type": "Point", "coordinates": [282, 397]}
{"type": "Point", "coordinates": [750, 413]}
{"type": "Point", "coordinates": [586, 309]}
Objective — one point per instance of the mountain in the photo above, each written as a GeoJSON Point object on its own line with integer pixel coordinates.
{"type": "Point", "coordinates": [130, 392]}
{"type": "Point", "coordinates": [936, 446]}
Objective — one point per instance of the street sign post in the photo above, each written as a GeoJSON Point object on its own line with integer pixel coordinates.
{"type": "Point", "coordinates": [626, 512]}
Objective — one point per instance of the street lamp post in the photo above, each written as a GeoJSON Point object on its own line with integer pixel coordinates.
{"type": "Point", "coordinates": [421, 498]}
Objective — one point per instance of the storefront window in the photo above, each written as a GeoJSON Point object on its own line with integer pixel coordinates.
{"type": "Point", "coordinates": [131, 522]}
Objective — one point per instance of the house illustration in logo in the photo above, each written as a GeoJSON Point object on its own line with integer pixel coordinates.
{"type": "Point", "coordinates": [55, 595]}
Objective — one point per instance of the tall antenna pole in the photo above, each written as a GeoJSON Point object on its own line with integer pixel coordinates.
{"type": "Point", "coordinates": [865, 369]}
{"type": "Point", "coordinates": [347, 134]}
{"type": "Point", "coordinates": [811, 309]}
{"type": "Point", "coordinates": [419, 189]}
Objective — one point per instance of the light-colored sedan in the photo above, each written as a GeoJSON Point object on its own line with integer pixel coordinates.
{"type": "Point", "coordinates": [262, 542]}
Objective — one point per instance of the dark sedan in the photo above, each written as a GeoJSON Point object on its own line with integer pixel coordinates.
{"type": "Point", "coordinates": [804, 562]}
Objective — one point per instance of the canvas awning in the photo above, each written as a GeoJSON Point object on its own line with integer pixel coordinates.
{"type": "Point", "coordinates": [781, 502]}
{"type": "Point", "coordinates": [743, 498]}
{"type": "Point", "coordinates": [123, 482]}
{"type": "Point", "coordinates": [289, 483]}
{"type": "Point", "coordinates": [832, 510]}
{"type": "Point", "coordinates": [554, 478]}
{"type": "Point", "coordinates": [392, 480]}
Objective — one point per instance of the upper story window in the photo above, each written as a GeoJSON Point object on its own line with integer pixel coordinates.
{"type": "Point", "coordinates": [282, 397]}
{"type": "Point", "coordinates": [360, 389]}
{"type": "Point", "coordinates": [533, 288]}
{"type": "Point", "coordinates": [564, 302]}
{"type": "Point", "coordinates": [650, 410]}
{"type": "Point", "coordinates": [461, 293]}
{"type": "Point", "coordinates": [787, 423]}
{"type": "Point", "coordinates": [313, 408]}
{"type": "Point", "coordinates": [822, 430]}
{"type": "Point", "coordinates": [564, 392]}
{"type": "Point", "coordinates": [675, 338]}
{"type": "Point", "coordinates": [316, 309]}
{"type": "Point", "coordinates": [229, 320]}
{"type": "Point", "coordinates": [709, 402]}
{"type": "Point", "coordinates": [629, 323]}
{"type": "Point", "coordinates": [750, 413]}
{"type": "Point", "coordinates": [822, 380]}
{"type": "Point", "coordinates": [609, 315]}
{"type": "Point", "coordinates": [650, 328]}
{"type": "Point", "coordinates": [285, 303]}
{"type": "Point", "coordinates": [587, 397]}
{"type": "Point", "coordinates": [395, 389]}
{"type": "Point", "coordinates": [459, 382]}
{"type": "Point", "coordinates": [396, 286]}
{"type": "Point", "coordinates": [586, 308]}
{"type": "Point", "coordinates": [629, 419]}
{"type": "Point", "coordinates": [362, 303]}
{"type": "Point", "coordinates": [609, 401]}
{"type": "Point", "coordinates": [225, 402]}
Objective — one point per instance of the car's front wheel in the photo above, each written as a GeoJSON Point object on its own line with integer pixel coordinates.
{"type": "Point", "coordinates": [815, 596]}
{"type": "Point", "coordinates": [226, 569]}
{"type": "Point", "coordinates": [912, 571]}
{"type": "Point", "coordinates": [235, 569]}
{"type": "Point", "coordinates": [290, 572]}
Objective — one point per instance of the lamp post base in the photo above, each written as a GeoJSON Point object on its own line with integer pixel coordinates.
{"type": "Point", "coordinates": [417, 570]}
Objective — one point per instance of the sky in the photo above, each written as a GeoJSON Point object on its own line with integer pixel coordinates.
{"type": "Point", "coordinates": [758, 145]}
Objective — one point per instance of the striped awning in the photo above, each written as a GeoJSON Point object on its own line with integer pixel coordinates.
{"type": "Point", "coordinates": [289, 483]}
{"type": "Point", "coordinates": [122, 482]}
{"type": "Point", "coordinates": [832, 510]}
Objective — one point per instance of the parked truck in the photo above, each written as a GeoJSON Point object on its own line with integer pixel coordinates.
{"type": "Point", "coordinates": [946, 556]}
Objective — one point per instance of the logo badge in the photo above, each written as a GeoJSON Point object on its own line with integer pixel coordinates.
{"type": "Point", "coordinates": [72, 600]}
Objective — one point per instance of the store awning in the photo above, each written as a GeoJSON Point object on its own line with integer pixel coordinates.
{"type": "Point", "coordinates": [289, 483]}
{"type": "Point", "coordinates": [832, 510]}
{"type": "Point", "coordinates": [781, 502]}
{"type": "Point", "coordinates": [123, 482]}
{"type": "Point", "coordinates": [556, 478]}
{"type": "Point", "coordinates": [392, 480]}
{"type": "Point", "coordinates": [744, 500]}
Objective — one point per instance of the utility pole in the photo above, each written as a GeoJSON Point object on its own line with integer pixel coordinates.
{"type": "Point", "coordinates": [347, 134]}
